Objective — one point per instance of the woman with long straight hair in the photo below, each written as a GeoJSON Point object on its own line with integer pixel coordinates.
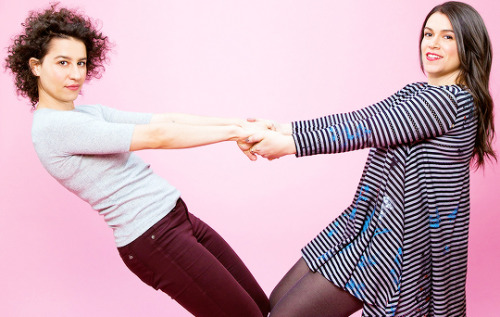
{"type": "Point", "coordinates": [400, 248]}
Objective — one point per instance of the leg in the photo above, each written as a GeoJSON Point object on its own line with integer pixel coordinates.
{"type": "Point", "coordinates": [314, 295]}
{"type": "Point", "coordinates": [221, 250]}
{"type": "Point", "coordinates": [288, 281]}
{"type": "Point", "coordinates": [168, 257]}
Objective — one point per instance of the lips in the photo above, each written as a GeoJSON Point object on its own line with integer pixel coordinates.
{"type": "Point", "coordinates": [433, 57]}
{"type": "Point", "coordinates": [73, 87]}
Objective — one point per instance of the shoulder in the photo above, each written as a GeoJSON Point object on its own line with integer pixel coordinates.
{"type": "Point", "coordinates": [50, 119]}
{"type": "Point", "coordinates": [97, 111]}
{"type": "Point", "coordinates": [459, 92]}
{"type": "Point", "coordinates": [425, 88]}
{"type": "Point", "coordinates": [90, 109]}
{"type": "Point", "coordinates": [410, 90]}
{"type": "Point", "coordinates": [48, 123]}
{"type": "Point", "coordinates": [444, 95]}
{"type": "Point", "coordinates": [413, 87]}
{"type": "Point", "coordinates": [422, 93]}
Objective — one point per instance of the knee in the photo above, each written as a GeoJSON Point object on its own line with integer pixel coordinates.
{"type": "Point", "coordinates": [278, 312]}
{"type": "Point", "coordinates": [274, 298]}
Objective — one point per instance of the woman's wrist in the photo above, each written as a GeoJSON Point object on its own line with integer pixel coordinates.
{"type": "Point", "coordinates": [284, 128]}
{"type": "Point", "coordinates": [290, 148]}
{"type": "Point", "coordinates": [236, 132]}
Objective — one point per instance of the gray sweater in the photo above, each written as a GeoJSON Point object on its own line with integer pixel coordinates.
{"type": "Point", "coordinates": [87, 151]}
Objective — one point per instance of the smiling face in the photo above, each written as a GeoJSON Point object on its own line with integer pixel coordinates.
{"type": "Point", "coordinates": [61, 73]}
{"type": "Point", "coordinates": [439, 51]}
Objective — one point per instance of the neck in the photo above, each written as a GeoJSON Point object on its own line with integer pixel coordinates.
{"type": "Point", "coordinates": [42, 106]}
{"type": "Point", "coordinates": [49, 103]}
{"type": "Point", "coordinates": [450, 79]}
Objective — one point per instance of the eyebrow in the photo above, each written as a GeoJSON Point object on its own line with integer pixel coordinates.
{"type": "Point", "coordinates": [446, 30]}
{"type": "Point", "coordinates": [66, 57]}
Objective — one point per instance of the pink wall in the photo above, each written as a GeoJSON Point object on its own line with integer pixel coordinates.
{"type": "Point", "coordinates": [273, 59]}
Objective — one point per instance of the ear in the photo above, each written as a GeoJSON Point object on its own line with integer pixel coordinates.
{"type": "Point", "coordinates": [35, 64]}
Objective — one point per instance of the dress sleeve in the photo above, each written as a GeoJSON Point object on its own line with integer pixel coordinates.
{"type": "Point", "coordinates": [323, 122]}
{"type": "Point", "coordinates": [427, 114]}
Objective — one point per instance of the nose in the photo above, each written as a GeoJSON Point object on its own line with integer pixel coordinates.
{"type": "Point", "coordinates": [434, 43]}
{"type": "Point", "coordinates": [76, 72]}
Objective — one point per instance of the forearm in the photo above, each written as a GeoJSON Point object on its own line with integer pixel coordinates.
{"type": "Point", "coordinates": [178, 136]}
{"type": "Point", "coordinates": [190, 119]}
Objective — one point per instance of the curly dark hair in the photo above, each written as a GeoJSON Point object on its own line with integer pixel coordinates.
{"type": "Point", "coordinates": [39, 29]}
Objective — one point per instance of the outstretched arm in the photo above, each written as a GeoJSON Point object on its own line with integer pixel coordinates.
{"type": "Point", "coordinates": [183, 118]}
{"type": "Point", "coordinates": [206, 126]}
{"type": "Point", "coordinates": [178, 135]}
{"type": "Point", "coordinates": [420, 116]}
{"type": "Point", "coordinates": [427, 114]}
{"type": "Point", "coordinates": [369, 111]}
{"type": "Point", "coordinates": [121, 131]}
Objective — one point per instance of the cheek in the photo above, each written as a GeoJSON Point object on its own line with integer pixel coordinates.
{"type": "Point", "coordinates": [84, 74]}
{"type": "Point", "coordinates": [453, 54]}
{"type": "Point", "coordinates": [452, 50]}
{"type": "Point", "coordinates": [58, 77]}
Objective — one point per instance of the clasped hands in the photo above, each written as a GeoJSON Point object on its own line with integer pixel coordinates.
{"type": "Point", "coordinates": [267, 139]}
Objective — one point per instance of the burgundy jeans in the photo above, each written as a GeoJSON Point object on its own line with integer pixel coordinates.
{"type": "Point", "coordinates": [188, 260]}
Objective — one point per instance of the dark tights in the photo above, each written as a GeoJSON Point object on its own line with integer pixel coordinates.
{"type": "Point", "coordinates": [304, 293]}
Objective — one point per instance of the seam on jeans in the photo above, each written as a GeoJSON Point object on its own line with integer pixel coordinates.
{"type": "Point", "coordinates": [193, 280]}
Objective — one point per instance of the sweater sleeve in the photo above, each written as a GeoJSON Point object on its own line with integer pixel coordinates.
{"type": "Point", "coordinates": [427, 114]}
{"type": "Point", "coordinates": [64, 133]}
{"type": "Point", "coordinates": [120, 116]}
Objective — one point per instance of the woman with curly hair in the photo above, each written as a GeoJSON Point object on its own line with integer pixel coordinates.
{"type": "Point", "coordinates": [400, 248]}
{"type": "Point", "coordinates": [89, 150]}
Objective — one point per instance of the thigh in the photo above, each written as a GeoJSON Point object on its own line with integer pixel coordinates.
{"type": "Point", "coordinates": [199, 282]}
{"type": "Point", "coordinates": [223, 252]}
{"type": "Point", "coordinates": [314, 295]}
{"type": "Point", "coordinates": [170, 258]}
{"type": "Point", "coordinates": [298, 270]}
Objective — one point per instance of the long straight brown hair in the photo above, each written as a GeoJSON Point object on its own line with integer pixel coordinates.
{"type": "Point", "coordinates": [474, 51]}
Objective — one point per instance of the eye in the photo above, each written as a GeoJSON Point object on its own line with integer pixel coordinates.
{"type": "Point", "coordinates": [63, 63]}
{"type": "Point", "coordinates": [427, 34]}
{"type": "Point", "coordinates": [448, 37]}
{"type": "Point", "coordinates": [82, 63]}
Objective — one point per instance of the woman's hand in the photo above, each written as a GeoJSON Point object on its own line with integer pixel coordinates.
{"type": "Point", "coordinates": [271, 144]}
{"type": "Point", "coordinates": [253, 126]}
{"type": "Point", "coordinates": [283, 128]}
{"type": "Point", "coordinates": [258, 129]}
{"type": "Point", "coordinates": [245, 148]}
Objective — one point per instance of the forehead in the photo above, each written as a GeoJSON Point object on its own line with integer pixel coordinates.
{"type": "Point", "coordinates": [68, 47]}
{"type": "Point", "coordinates": [438, 21]}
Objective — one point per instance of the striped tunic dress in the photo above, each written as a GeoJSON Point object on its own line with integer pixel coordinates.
{"type": "Point", "coordinates": [401, 246]}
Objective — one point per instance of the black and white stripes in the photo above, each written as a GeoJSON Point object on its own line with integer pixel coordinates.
{"type": "Point", "coordinates": [401, 246]}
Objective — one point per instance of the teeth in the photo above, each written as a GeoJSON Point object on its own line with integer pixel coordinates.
{"type": "Point", "coordinates": [433, 56]}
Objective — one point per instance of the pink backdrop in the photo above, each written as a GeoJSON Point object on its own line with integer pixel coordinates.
{"type": "Point", "coordinates": [274, 59]}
